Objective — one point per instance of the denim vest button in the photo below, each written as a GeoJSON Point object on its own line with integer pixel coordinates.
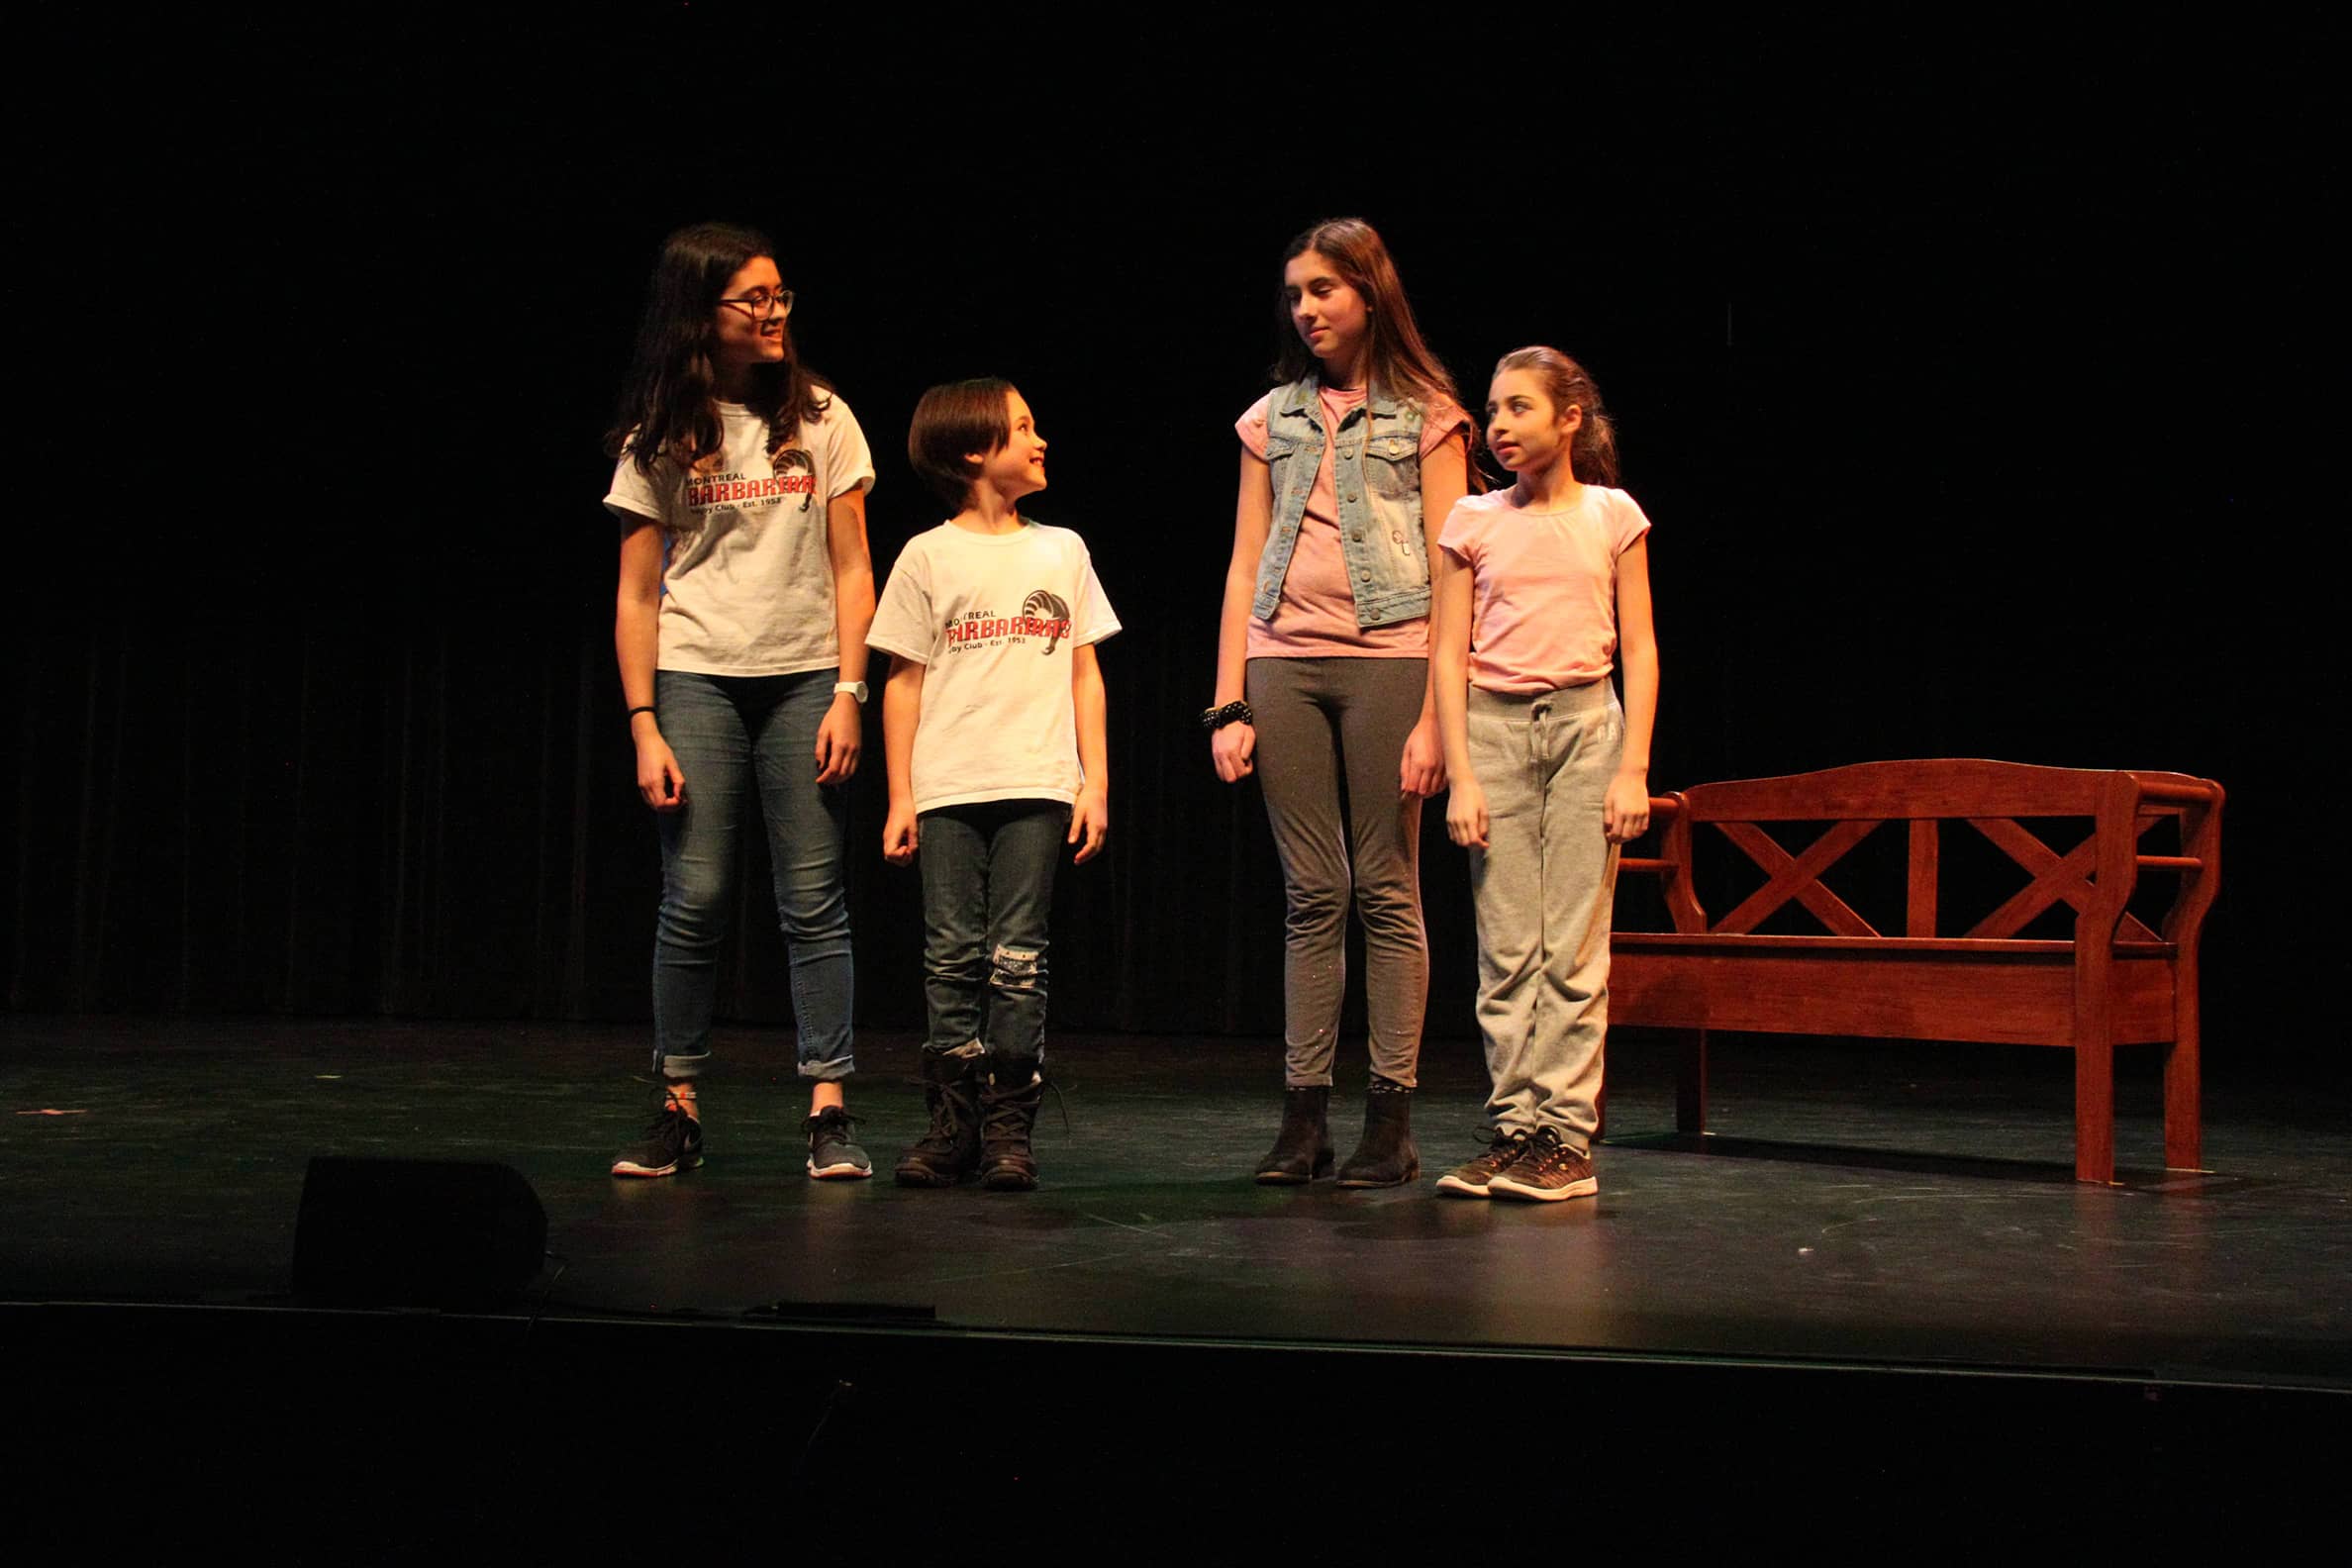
{"type": "Point", "coordinates": [1359, 533]}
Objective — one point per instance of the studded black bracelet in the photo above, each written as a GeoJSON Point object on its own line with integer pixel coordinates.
{"type": "Point", "coordinates": [1232, 712]}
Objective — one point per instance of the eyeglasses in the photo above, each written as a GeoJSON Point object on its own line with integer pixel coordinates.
{"type": "Point", "coordinates": [759, 304]}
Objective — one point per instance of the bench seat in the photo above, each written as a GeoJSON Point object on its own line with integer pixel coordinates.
{"type": "Point", "coordinates": [2118, 981]}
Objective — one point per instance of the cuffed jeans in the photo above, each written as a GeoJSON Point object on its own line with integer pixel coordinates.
{"type": "Point", "coordinates": [1543, 887]}
{"type": "Point", "coordinates": [987, 887]}
{"type": "Point", "coordinates": [1332, 731]}
{"type": "Point", "coordinates": [732, 733]}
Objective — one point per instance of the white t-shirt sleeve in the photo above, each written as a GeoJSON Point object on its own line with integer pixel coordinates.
{"type": "Point", "coordinates": [634, 495]}
{"type": "Point", "coordinates": [849, 461]}
{"type": "Point", "coordinates": [1094, 619]}
{"type": "Point", "coordinates": [904, 625]}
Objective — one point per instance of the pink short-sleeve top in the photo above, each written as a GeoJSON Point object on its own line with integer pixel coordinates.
{"type": "Point", "coordinates": [1543, 586]}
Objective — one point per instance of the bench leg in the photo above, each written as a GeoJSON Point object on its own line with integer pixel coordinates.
{"type": "Point", "coordinates": [2095, 1111]}
{"type": "Point", "coordinates": [1690, 1082]}
{"type": "Point", "coordinates": [2184, 1116]}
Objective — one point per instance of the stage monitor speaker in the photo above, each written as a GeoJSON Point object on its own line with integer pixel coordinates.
{"type": "Point", "coordinates": [413, 1233]}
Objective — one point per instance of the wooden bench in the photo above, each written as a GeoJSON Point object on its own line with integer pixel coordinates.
{"type": "Point", "coordinates": [2116, 981]}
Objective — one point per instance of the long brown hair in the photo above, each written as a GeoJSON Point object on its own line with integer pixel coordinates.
{"type": "Point", "coordinates": [1591, 450]}
{"type": "Point", "coordinates": [1396, 358]}
{"type": "Point", "coordinates": [667, 403]}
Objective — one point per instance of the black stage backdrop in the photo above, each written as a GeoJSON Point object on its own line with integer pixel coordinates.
{"type": "Point", "coordinates": [1956, 378]}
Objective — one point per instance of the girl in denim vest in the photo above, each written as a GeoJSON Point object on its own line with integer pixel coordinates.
{"type": "Point", "coordinates": [1546, 589]}
{"type": "Point", "coordinates": [745, 589]}
{"type": "Point", "coordinates": [1322, 673]}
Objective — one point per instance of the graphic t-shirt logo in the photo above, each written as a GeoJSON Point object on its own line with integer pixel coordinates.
{"type": "Point", "coordinates": [794, 473]}
{"type": "Point", "coordinates": [1041, 605]}
{"type": "Point", "coordinates": [1043, 615]}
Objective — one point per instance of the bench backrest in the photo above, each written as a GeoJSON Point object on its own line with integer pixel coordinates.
{"type": "Point", "coordinates": [2096, 875]}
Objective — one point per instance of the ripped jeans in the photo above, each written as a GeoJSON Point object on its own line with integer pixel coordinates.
{"type": "Point", "coordinates": [986, 886]}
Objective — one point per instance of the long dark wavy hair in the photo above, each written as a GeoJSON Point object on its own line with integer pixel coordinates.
{"type": "Point", "coordinates": [667, 403]}
{"type": "Point", "coordinates": [1396, 358]}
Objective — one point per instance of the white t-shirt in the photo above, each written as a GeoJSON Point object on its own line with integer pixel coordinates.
{"type": "Point", "coordinates": [746, 580]}
{"type": "Point", "coordinates": [993, 618]}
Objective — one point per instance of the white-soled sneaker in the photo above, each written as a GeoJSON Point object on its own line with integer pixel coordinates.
{"type": "Point", "coordinates": [1473, 1180]}
{"type": "Point", "coordinates": [673, 1140]}
{"type": "Point", "coordinates": [1548, 1171]}
{"type": "Point", "coordinates": [832, 1155]}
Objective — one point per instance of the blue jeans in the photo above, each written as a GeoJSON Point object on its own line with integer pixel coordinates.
{"type": "Point", "coordinates": [986, 886]}
{"type": "Point", "coordinates": [730, 732]}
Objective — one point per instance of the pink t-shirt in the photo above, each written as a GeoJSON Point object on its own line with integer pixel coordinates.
{"type": "Point", "coordinates": [1543, 586]}
{"type": "Point", "coordinates": [1316, 616]}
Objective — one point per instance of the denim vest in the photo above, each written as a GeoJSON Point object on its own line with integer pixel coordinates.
{"type": "Point", "coordinates": [1375, 474]}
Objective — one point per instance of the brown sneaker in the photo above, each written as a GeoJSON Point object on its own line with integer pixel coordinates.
{"type": "Point", "coordinates": [1548, 1171]}
{"type": "Point", "coordinates": [1502, 1150]}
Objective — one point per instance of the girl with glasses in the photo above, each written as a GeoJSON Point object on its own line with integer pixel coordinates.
{"type": "Point", "coordinates": [745, 591]}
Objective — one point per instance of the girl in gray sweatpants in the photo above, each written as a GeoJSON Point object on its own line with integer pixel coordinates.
{"type": "Point", "coordinates": [1544, 590]}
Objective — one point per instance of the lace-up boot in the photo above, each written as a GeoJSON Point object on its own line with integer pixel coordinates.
{"type": "Point", "coordinates": [1008, 1115]}
{"type": "Point", "coordinates": [1303, 1149]}
{"type": "Point", "coordinates": [1471, 1180]}
{"type": "Point", "coordinates": [1549, 1171]}
{"type": "Point", "coordinates": [950, 1152]}
{"type": "Point", "coordinates": [1385, 1157]}
{"type": "Point", "coordinates": [673, 1139]}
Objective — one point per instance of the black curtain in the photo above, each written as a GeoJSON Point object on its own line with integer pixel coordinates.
{"type": "Point", "coordinates": [1963, 405]}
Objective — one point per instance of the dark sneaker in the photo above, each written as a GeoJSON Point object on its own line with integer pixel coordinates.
{"type": "Point", "coordinates": [831, 1156]}
{"type": "Point", "coordinates": [1502, 1150]}
{"type": "Point", "coordinates": [672, 1142]}
{"type": "Point", "coordinates": [1548, 1171]}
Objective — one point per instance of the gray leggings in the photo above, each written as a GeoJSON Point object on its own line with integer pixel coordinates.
{"type": "Point", "coordinates": [1325, 725]}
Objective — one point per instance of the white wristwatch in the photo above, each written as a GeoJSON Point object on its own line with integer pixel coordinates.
{"type": "Point", "coordinates": [857, 689]}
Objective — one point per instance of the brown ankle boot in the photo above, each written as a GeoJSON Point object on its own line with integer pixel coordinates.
{"type": "Point", "coordinates": [1303, 1149]}
{"type": "Point", "coordinates": [1387, 1157]}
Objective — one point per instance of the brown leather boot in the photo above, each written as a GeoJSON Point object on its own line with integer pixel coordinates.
{"type": "Point", "coordinates": [950, 1152]}
{"type": "Point", "coordinates": [1303, 1149]}
{"type": "Point", "coordinates": [1387, 1157]}
{"type": "Point", "coordinates": [1008, 1115]}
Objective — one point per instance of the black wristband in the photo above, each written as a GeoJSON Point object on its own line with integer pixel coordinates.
{"type": "Point", "coordinates": [646, 708]}
{"type": "Point", "coordinates": [1214, 718]}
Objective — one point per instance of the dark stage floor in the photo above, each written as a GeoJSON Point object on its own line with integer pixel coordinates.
{"type": "Point", "coordinates": [1860, 1203]}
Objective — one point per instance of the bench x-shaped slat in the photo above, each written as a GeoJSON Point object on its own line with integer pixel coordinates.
{"type": "Point", "coordinates": [2055, 878]}
{"type": "Point", "coordinates": [1798, 878]}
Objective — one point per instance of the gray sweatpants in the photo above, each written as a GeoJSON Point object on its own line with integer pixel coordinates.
{"type": "Point", "coordinates": [1543, 888]}
{"type": "Point", "coordinates": [1323, 723]}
